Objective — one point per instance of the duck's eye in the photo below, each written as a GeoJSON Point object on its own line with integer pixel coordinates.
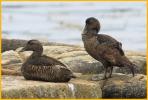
{"type": "Point", "coordinates": [30, 43]}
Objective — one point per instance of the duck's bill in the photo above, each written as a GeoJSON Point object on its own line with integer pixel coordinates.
{"type": "Point", "coordinates": [23, 49]}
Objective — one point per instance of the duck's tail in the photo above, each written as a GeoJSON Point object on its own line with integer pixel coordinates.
{"type": "Point", "coordinates": [127, 63]}
{"type": "Point", "coordinates": [67, 72]}
{"type": "Point", "coordinates": [73, 75]}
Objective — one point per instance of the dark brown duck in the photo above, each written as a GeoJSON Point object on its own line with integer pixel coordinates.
{"type": "Point", "coordinates": [104, 48]}
{"type": "Point", "coordinates": [43, 68]}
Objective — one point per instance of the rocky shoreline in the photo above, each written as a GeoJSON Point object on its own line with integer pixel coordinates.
{"type": "Point", "coordinates": [121, 85]}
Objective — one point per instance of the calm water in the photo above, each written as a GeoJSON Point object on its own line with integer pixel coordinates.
{"type": "Point", "coordinates": [64, 22]}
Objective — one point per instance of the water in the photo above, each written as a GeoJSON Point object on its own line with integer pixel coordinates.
{"type": "Point", "coordinates": [64, 22]}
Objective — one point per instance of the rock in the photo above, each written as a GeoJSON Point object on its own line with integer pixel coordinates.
{"type": "Point", "coordinates": [56, 51]}
{"type": "Point", "coordinates": [120, 85]}
{"type": "Point", "coordinates": [11, 72]}
{"type": "Point", "coordinates": [123, 86]}
{"type": "Point", "coordinates": [83, 64]}
{"type": "Point", "coordinates": [53, 51]}
{"type": "Point", "coordinates": [11, 57]}
{"type": "Point", "coordinates": [135, 53]}
{"type": "Point", "coordinates": [13, 44]}
{"type": "Point", "coordinates": [8, 44]}
{"type": "Point", "coordinates": [78, 60]}
{"type": "Point", "coordinates": [18, 87]}
{"type": "Point", "coordinates": [11, 60]}
{"type": "Point", "coordinates": [88, 83]}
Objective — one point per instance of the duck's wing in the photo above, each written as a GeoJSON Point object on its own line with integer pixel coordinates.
{"type": "Point", "coordinates": [48, 61]}
{"type": "Point", "coordinates": [109, 41]}
{"type": "Point", "coordinates": [58, 67]}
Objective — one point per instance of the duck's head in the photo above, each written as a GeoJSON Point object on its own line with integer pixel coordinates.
{"type": "Point", "coordinates": [92, 24]}
{"type": "Point", "coordinates": [33, 45]}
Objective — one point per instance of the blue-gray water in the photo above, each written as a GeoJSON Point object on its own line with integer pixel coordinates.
{"type": "Point", "coordinates": [64, 22]}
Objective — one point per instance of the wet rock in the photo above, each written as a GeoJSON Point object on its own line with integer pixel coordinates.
{"type": "Point", "coordinates": [122, 86]}
{"type": "Point", "coordinates": [18, 87]}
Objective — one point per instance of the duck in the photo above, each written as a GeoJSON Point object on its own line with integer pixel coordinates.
{"type": "Point", "coordinates": [43, 68]}
{"type": "Point", "coordinates": [104, 48]}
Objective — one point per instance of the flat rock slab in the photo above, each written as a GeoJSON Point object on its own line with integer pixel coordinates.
{"type": "Point", "coordinates": [18, 87]}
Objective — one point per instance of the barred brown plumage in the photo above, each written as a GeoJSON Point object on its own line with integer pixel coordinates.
{"type": "Point", "coordinates": [104, 48]}
{"type": "Point", "coordinates": [43, 68]}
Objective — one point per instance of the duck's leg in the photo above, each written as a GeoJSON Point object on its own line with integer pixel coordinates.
{"type": "Point", "coordinates": [105, 72]}
{"type": "Point", "coordinates": [111, 70]}
{"type": "Point", "coordinates": [131, 67]}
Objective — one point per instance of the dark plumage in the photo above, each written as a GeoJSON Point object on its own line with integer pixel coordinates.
{"type": "Point", "coordinates": [104, 48]}
{"type": "Point", "coordinates": [43, 68]}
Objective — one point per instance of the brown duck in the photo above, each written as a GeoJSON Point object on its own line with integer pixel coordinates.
{"type": "Point", "coordinates": [43, 68]}
{"type": "Point", "coordinates": [104, 48]}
